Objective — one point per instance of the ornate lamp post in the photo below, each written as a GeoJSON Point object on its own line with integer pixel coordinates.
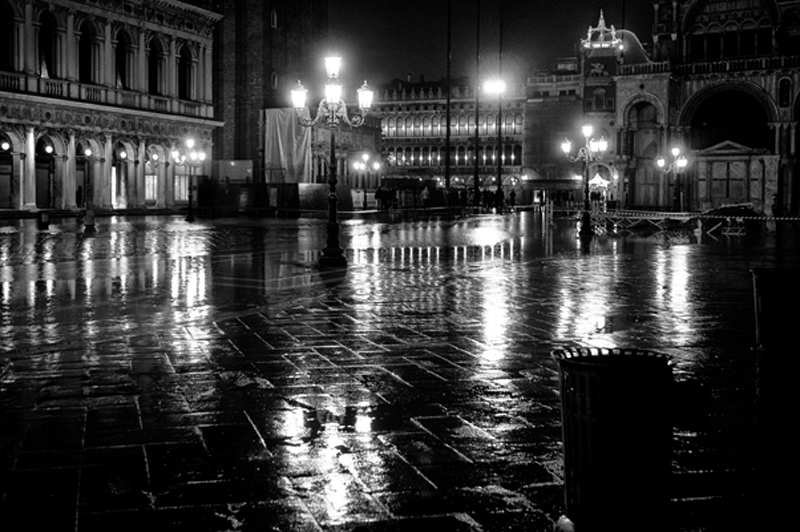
{"type": "Point", "coordinates": [676, 168]}
{"type": "Point", "coordinates": [332, 111]}
{"type": "Point", "coordinates": [193, 161]}
{"type": "Point", "coordinates": [593, 150]}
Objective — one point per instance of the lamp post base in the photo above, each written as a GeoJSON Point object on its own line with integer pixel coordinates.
{"type": "Point", "coordinates": [586, 225]}
{"type": "Point", "coordinates": [332, 259]}
{"type": "Point", "coordinates": [190, 217]}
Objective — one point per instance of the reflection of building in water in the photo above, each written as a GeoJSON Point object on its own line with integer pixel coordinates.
{"type": "Point", "coordinates": [719, 80]}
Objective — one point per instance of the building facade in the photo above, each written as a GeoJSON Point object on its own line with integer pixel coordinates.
{"type": "Point", "coordinates": [95, 97]}
{"type": "Point", "coordinates": [719, 82]}
{"type": "Point", "coordinates": [414, 122]}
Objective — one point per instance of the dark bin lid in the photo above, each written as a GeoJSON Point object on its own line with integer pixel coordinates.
{"type": "Point", "coordinates": [610, 356]}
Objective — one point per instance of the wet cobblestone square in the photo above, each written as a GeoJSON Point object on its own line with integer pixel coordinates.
{"type": "Point", "coordinates": [208, 376]}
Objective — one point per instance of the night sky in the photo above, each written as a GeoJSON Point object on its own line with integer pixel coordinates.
{"type": "Point", "coordinates": [382, 39]}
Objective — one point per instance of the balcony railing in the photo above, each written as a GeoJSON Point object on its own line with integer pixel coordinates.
{"type": "Point", "coordinates": [98, 94]}
{"type": "Point", "coordinates": [721, 66]}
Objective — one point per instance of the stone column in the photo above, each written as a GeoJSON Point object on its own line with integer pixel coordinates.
{"type": "Point", "coordinates": [70, 172]}
{"type": "Point", "coordinates": [109, 73]}
{"type": "Point", "coordinates": [209, 68]}
{"type": "Point", "coordinates": [139, 81]}
{"type": "Point", "coordinates": [171, 88]}
{"type": "Point", "coordinates": [101, 173]}
{"type": "Point", "coordinates": [28, 177]}
{"type": "Point", "coordinates": [70, 49]}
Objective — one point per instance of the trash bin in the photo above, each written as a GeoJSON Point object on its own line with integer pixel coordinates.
{"type": "Point", "coordinates": [616, 434]}
{"type": "Point", "coordinates": [776, 292]}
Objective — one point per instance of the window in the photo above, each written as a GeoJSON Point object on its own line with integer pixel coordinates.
{"type": "Point", "coordinates": [181, 187]}
{"type": "Point", "coordinates": [274, 81]}
{"type": "Point", "coordinates": [123, 56]}
{"type": "Point", "coordinates": [86, 43]}
{"type": "Point", "coordinates": [47, 44]}
{"type": "Point", "coordinates": [155, 60]}
{"type": "Point", "coordinates": [7, 48]}
{"type": "Point", "coordinates": [785, 92]}
{"type": "Point", "coordinates": [185, 80]}
{"type": "Point", "coordinates": [273, 19]}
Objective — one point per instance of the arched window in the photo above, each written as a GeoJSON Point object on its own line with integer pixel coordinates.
{"type": "Point", "coordinates": [697, 45]}
{"type": "Point", "coordinates": [426, 126]}
{"type": "Point", "coordinates": [123, 57]}
{"type": "Point", "coordinates": [273, 19]}
{"type": "Point", "coordinates": [764, 39]}
{"type": "Point", "coordinates": [490, 125]}
{"type": "Point", "coordinates": [747, 40]}
{"type": "Point", "coordinates": [785, 92]}
{"type": "Point", "coordinates": [185, 78]}
{"type": "Point", "coordinates": [7, 49]}
{"type": "Point", "coordinates": [409, 126]}
{"type": "Point", "coordinates": [155, 59]}
{"type": "Point", "coordinates": [417, 126]}
{"type": "Point", "coordinates": [87, 41]}
{"type": "Point", "coordinates": [462, 125]}
{"type": "Point", "coordinates": [714, 43]}
{"type": "Point", "coordinates": [509, 124]}
{"type": "Point", "coordinates": [435, 126]}
{"type": "Point", "coordinates": [730, 41]}
{"type": "Point", "coordinates": [598, 99]}
{"type": "Point", "coordinates": [47, 45]}
{"type": "Point", "coordinates": [518, 124]}
{"type": "Point", "coordinates": [274, 80]}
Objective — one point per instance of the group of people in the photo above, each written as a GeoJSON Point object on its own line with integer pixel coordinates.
{"type": "Point", "coordinates": [386, 198]}
{"type": "Point", "coordinates": [465, 197]}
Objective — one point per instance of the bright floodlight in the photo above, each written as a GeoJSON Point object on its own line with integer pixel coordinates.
{"type": "Point", "coordinates": [676, 151]}
{"type": "Point", "coordinates": [365, 95]}
{"type": "Point", "coordinates": [333, 93]}
{"type": "Point", "coordinates": [87, 152]}
{"type": "Point", "coordinates": [190, 143]}
{"type": "Point", "coordinates": [495, 86]}
{"type": "Point", "coordinates": [332, 64]}
{"type": "Point", "coordinates": [587, 130]}
{"type": "Point", "coordinates": [566, 147]}
{"type": "Point", "coordinates": [660, 162]}
{"type": "Point", "coordinates": [299, 96]}
{"type": "Point", "coordinates": [5, 146]}
{"type": "Point", "coordinates": [681, 162]}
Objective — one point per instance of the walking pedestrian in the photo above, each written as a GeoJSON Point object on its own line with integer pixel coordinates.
{"type": "Point", "coordinates": [512, 199]}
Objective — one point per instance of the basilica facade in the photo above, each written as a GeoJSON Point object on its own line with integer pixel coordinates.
{"type": "Point", "coordinates": [717, 84]}
{"type": "Point", "coordinates": [96, 100]}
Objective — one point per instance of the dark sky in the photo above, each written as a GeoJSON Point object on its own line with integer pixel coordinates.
{"type": "Point", "coordinates": [383, 39]}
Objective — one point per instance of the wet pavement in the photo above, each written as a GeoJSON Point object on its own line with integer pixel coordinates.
{"type": "Point", "coordinates": [209, 377]}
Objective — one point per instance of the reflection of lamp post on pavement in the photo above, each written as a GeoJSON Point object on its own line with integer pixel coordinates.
{"type": "Point", "coordinates": [332, 111]}
{"type": "Point", "coordinates": [676, 168]}
{"type": "Point", "coordinates": [592, 151]}
{"type": "Point", "coordinates": [194, 161]}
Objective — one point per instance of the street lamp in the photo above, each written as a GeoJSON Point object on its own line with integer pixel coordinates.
{"type": "Point", "coordinates": [365, 170]}
{"type": "Point", "coordinates": [676, 168]}
{"type": "Point", "coordinates": [332, 111]}
{"type": "Point", "coordinates": [193, 161]}
{"type": "Point", "coordinates": [592, 150]}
